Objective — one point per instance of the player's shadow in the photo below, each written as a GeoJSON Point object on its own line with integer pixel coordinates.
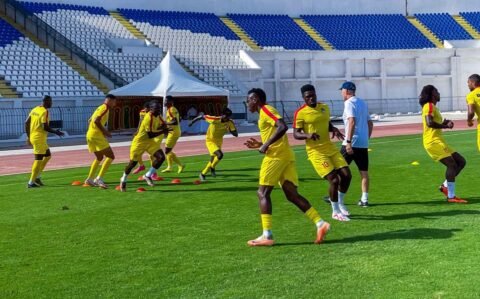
{"type": "Point", "coordinates": [428, 215]}
{"type": "Point", "coordinates": [241, 169]}
{"type": "Point", "coordinates": [471, 200]}
{"type": "Point", "coordinates": [403, 234]}
{"type": "Point", "coordinates": [209, 189]}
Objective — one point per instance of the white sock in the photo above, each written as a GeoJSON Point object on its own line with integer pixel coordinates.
{"type": "Point", "coordinates": [335, 208]}
{"type": "Point", "coordinates": [451, 189]}
{"type": "Point", "coordinates": [99, 178]}
{"type": "Point", "coordinates": [364, 196]}
{"type": "Point", "coordinates": [341, 197]}
{"type": "Point", "coordinates": [124, 178]}
{"type": "Point", "coordinates": [30, 182]}
{"type": "Point", "coordinates": [150, 172]}
{"type": "Point", "coordinates": [267, 234]}
{"type": "Point", "coordinates": [445, 184]}
{"type": "Point", "coordinates": [320, 223]}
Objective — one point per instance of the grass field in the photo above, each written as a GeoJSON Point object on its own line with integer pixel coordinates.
{"type": "Point", "coordinates": [190, 240]}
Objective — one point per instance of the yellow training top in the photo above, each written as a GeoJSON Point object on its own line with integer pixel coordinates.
{"type": "Point", "coordinates": [280, 149]}
{"type": "Point", "coordinates": [103, 112]}
{"type": "Point", "coordinates": [431, 135]}
{"type": "Point", "coordinates": [150, 123]}
{"type": "Point", "coordinates": [38, 117]}
{"type": "Point", "coordinates": [217, 128]}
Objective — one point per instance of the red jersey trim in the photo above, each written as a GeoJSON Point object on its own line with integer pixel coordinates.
{"type": "Point", "coordinates": [151, 122]}
{"type": "Point", "coordinates": [270, 114]}
{"type": "Point", "coordinates": [212, 117]}
{"type": "Point", "coordinates": [295, 115]}
{"type": "Point", "coordinates": [170, 112]}
{"type": "Point", "coordinates": [430, 108]}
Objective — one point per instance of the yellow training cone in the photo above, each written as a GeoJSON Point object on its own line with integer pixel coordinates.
{"type": "Point", "coordinates": [415, 163]}
{"type": "Point", "coordinates": [369, 149]}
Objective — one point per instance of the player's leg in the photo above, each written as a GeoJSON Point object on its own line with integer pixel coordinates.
{"type": "Point", "coordinates": [168, 151]}
{"type": "Point", "coordinates": [36, 166]}
{"type": "Point", "coordinates": [158, 159]}
{"type": "Point", "coordinates": [450, 174]}
{"type": "Point", "coordinates": [334, 182]}
{"type": "Point", "coordinates": [361, 160]}
{"type": "Point", "coordinates": [345, 176]}
{"type": "Point", "coordinates": [46, 158]}
{"type": "Point", "coordinates": [218, 156]}
{"type": "Point", "coordinates": [126, 172]}
{"type": "Point", "coordinates": [461, 162]}
{"type": "Point", "coordinates": [363, 202]}
{"type": "Point", "coordinates": [141, 166]}
{"type": "Point", "coordinates": [109, 157]}
{"type": "Point", "coordinates": [207, 168]}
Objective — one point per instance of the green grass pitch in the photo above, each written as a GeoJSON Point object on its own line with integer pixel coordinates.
{"type": "Point", "coordinates": [190, 240]}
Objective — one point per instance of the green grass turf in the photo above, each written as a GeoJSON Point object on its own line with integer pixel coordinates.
{"type": "Point", "coordinates": [190, 240]}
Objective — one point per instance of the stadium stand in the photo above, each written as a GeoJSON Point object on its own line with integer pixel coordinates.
{"type": "Point", "coordinates": [473, 18]}
{"type": "Point", "coordinates": [89, 27]}
{"type": "Point", "coordinates": [277, 31]}
{"type": "Point", "coordinates": [368, 32]}
{"type": "Point", "coordinates": [40, 72]}
{"type": "Point", "coordinates": [443, 26]}
{"type": "Point", "coordinates": [199, 40]}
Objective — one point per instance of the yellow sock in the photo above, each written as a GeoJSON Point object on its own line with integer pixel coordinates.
{"type": "Point", "coordinates": [37, 164]}
{"type": "Point", "coordinates": [175, 159]}
{"type": "Point", "coordinates": [207, 168]}
{"type": "Point", "coordinates": [169, 160]}
{"type": "Point", "coordinates": [313, 215]}
{"type": "Point", "coordinates": [151, 160]}
{"type": "Point", "coordinates": [266, 222]}
{"type": "Point", "coordinates": [93, 169]}
{"type": "Point", "coordinates": [105, 165]}
{"type": "Point", "coordinates": [215, 161]}
{"type": "Point", "coordinates": [44, 163]}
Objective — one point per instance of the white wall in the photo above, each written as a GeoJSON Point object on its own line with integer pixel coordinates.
{"type": "Point", "coordinates": [292, 8]}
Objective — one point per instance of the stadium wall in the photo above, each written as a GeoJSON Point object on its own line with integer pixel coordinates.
{"type": "Point", "coordinates": [292, 8]}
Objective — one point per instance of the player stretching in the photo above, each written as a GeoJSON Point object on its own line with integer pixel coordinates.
{"type": "Point", "coordinates": [37, 129]}
{"type": "Point", "coordinates": [219, 125]}
{"type": "Point", "coordinates": [473, 102]}
{"type": "Point", "coordinates": [98, 144]}
{"type": "Point", "coordinates": [434, 143]}
{"type": "Point", "coordinates": [173, 122]}
{"type": "Point", "coordinates": [312, 123]}
{"type": "Point", "coordinates": [278, 167]}
{"type": "Point", "coordinates": [152, 126]}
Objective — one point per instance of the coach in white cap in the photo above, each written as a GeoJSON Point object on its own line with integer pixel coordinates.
{"type": "Point", "coordinates": [358, 129]}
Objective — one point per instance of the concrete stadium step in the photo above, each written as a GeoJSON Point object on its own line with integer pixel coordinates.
{"type": "Point", "coordinates": [467, 26]}
{"type": "Point", "coordinates": [317, 37]}
{"type": "Point", "coordinates": [425, 31]}
{"type": "Point", "coordinates": [8, 91]}
{"type": "Point", "coordinates": [64, 57]}
{"type": "Point", "coordinates": [133, 30]}
{"type": "Point", "coordinates": [241, 33]}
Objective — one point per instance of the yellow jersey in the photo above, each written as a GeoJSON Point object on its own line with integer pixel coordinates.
{"type": "Point", "coordinates": [280, 149]}
{"type": "Point", "coordinates": [473, 98]}
{"type": "Point", "coordinates": [217, 129]}
{"type": "Point", "coordinates": [315, 120]}
{"type": "Point", "coordinates": [172, 113]}
{"type": "Point", "coordinates": [103, 112]}
{"type": "Point", "coordinates": [38, 117]}
{"type": "Point", "coordinates": [431, 135]}
{"type": "Point", "coordinates": [150, 123]}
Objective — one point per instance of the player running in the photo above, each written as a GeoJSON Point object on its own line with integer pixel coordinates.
{"type": "Point", "coordinates": [473, 102]}
{"type": "Point", "coordinates": [37, 129]}
{"type": "Point", "coordinates": [435, 144]}
{"type": "Point", "coordinates": [278, 167]}
{"type": "Point", "coordinates": [141, 114]}
{"type": "Point", "coordinates": [312, 123]}
{"type": "Point", "coordinates": [219, 125]}
{"type": "Point", "coordinates": [98, 144]}
{"type": "Point", "coordinates": [173, 122]}
{"type": "Point", "coordinates": [152, 126]}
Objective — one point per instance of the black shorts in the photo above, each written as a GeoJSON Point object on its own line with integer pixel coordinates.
{"type": "Point", "coordinates": [360, 156]}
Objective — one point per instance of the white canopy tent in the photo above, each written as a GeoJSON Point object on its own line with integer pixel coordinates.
{"type": "Point", "coordinates": [169, 78]}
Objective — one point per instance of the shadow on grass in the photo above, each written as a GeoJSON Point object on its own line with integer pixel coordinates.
{"type": "Point", "coordinates": [404, 234]}
{"type": "Point", "coordinates": [429, 215]}
{"type": "Point", "coordinates": [471, 200]}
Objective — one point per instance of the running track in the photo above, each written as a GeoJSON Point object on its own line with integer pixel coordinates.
{"type": "Point", "coordinates": [21, 163]}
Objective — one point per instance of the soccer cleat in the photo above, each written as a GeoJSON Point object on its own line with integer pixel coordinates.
{"type": "Point", "coordinates": [340, 217]}
{"type": "Point", "coordinates": [89, 183]}
{"type": "Point", "coordinates": [261, 241]}
{"type": "Point", "coordinates": [327, 199]}
{"type": "Point", "coordinates": [123, 186]}
{"type": "Point", "coordinates": [181, 168]}
{"type": "Point", "coordinates": [212, 171]}
{"type": "Point", "coordinates": [202, 177]}
{"type": "Point", "coordinates": [343, 209]}
{"type": "Point", "coordinates": [32, 185]}
{"type": "Point", "coordinates": [443, 189]}
{"type": "Point", "coordinates": [167, 170]}
{"type": "Point", "coordinates": [363, 204]}
{"type": "Point", "coordinates": [139, 169]}
{"type": "Point", "coordinates": [155, 176]}
{"type": "Point", "coordinates": [456, 200]}
{"type": "Point", "coordinates": [39, 182]}
{"type": "Point", "coordinates": [322, 232]}
{"type": "Point", "coordinates": [149, 180]}
{"type": "Point", "coordinates": [100, 183]}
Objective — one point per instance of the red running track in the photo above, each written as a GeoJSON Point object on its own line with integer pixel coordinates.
{"type": "Point", "coordinates": [77, 158]}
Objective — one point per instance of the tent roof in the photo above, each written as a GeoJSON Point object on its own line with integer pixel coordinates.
{"type": "Point", "coordinates": [169, 78]}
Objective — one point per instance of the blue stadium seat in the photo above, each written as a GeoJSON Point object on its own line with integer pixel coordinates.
{"type": "Point", "coordinates": [443, 26]}
{"type": "Point", "coordinates": [275, 31]}
{"type": "Point", "coordinates": [8, 34]}
{"type": "Point", "coordinates": [368, 32]}
{"type": "Point", "coordinates": [473, 18]}
{"type": "Point", "coordinates": [36, 7]}
{"type": "Point", "coordinates": [193, 21]}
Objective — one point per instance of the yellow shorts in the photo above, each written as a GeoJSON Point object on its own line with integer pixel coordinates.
{"type": "Point", "coordinates": [172, 139]}
{"type": "Point", "coordinates": [40, 146]}
{"type": "Point", "coordinates": [438, 150]}
{"type": "Point", "coordinates": [137, 149]}
{"type": "Point", "coordinates": [324, 164]}
{"type": "Point", "coordinates": [274, 171]}
{"type": "Point", "coordinates": [96, 144]}
{"type": "Point", "coordinates": [213, 147]}
{"type": "Point", "coordinates": [158, 139]}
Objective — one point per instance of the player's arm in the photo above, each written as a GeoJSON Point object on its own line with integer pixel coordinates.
{"type": "Point", "coordinates": [349, 134]}
{"type": "Point", "coordinates": [446, 124]}
{"type": "Point", "coordinates": [98, 123]}
{"type": "Point", "coordinates": [470, 114]}
{"type": "Point", "coordinates": [47, 128]}
{"type": "Point", "coordinates": [174, 121]}
{"type": "Point", "coordinates": [300, 135]}
{"type": "Point", "coordinates": [370, 128]}
{"type": "Point", "coordinates": [27, 128]}
{"type": "Point", "coordinates": [282, 128]}
{"type": "Point", "coordinates": [200, 117]}
{"type": "Point", "coordinates": [232, 129]}
{"type": "Point", "coordinates": [335, 131]}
